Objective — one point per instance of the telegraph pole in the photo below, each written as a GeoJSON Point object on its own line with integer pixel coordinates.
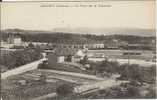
{"type": "Point", "coordinates": [128, 56]}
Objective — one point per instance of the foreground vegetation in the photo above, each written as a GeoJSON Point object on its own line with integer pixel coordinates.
{"type": "Point", "coordinates": [20, 87]}
{"type": "Point", "coordinates": [108, 68]}
{"type": "Point", "coordinates": [141, 84]}
{"type": "Point", "coordinates": [20, 57]}
{"type": "Point", "coordinates": [142, 79]}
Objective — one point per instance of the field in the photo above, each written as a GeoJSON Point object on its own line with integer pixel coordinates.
{"type": "Point", "coordinates": [28, 85]}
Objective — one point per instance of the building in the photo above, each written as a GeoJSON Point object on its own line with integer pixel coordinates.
{"type": "Point", "coordinates": [95, 45]}
{"type": "Point", "coordinates": [14, 39]}
{"type": "Point", "coordinates": [114, 44]}
{"type": "Point", "coordinates": [79, 45]}
{"type": "Point", "coordinates": [64, 55]}
{"type": "Point", "coordinates": [39, 43]}
{"type": "Point", "coordinates": [70, 45]}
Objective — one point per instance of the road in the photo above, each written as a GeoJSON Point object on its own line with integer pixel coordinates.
{"type": "Point", "coordinates": [22, 69]}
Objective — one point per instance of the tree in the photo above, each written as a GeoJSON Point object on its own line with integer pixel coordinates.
{"type": "Point", "coordinates": [30, 45]}
{"type": "Point", "coordinates": [65, 89]}
{"type": "Point", "coordinates": [43, 65]}
{"type": "Point", "coordinates": [84, 60]}
{"type": "Point", "coordinates": [153, 70]}
{"type": "Point", "coordinates": [108, 66]}
{"type": "Point", "coordinates": [132, 72]}
{"type": "Point", "coordinates": [132, 92]}
{"type": "Point", "coordinates": [151, 94]}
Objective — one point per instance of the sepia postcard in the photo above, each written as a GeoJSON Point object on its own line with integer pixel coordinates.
{"type": "Point", "coordinates": [78, 50]}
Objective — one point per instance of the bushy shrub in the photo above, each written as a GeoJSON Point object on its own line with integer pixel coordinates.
{"type": "Point", "coordinates": [84, 60]}
{"type": "Point", "coordinates": [151, 94]}
{"type": "Point", "coordinates": [65, 89]}
{"type": "Point", "coordinates": [43, 65]}
{"type": "Point", "coordinates": [138, 73]}
{"type": "Point", "coordinates": [108, 66]}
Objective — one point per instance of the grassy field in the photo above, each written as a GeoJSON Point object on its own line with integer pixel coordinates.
{"type": "Point", "coordinates": [28, 85]}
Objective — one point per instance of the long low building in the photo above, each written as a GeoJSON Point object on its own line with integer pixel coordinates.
{"type": "Point", "coordinates": [78, 44]}
{"type": "Point", "coordinates": [123, 54]}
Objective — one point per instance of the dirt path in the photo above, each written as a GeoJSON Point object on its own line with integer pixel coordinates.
{"type": "Point", "coordinates": [21, 69]}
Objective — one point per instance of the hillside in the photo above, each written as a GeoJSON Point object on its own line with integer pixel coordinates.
{"type": "Point", "coordinates": [108, 31]}
{"type": "Point", "coordinates": [48, 36]}
{"type": "Point", "coordinates": [92, 31]}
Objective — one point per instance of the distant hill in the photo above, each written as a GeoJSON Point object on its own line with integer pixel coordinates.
{"type": "Point", "coordinates": [93, 31]}
{"type": "Point", "coordinates": [127, 35]}
{"type": "Point", "coordinates": [109, 31]}
{"type": "Point", "coordinates": [22, 31]}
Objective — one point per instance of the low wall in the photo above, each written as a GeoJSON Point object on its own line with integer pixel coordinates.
{"type": "Point", "coordinates": [21, 69]}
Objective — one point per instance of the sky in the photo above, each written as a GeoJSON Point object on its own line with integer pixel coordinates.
{"type": "Point", "coordinates": [120, 14]}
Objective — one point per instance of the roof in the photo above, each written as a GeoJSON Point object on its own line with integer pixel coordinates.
{"type": "Point", "coordinates": [78, 42]}
{"type": "Point", "coordinates": [71, 42]}
{"type": "Point", "coordinates": [65, 51]}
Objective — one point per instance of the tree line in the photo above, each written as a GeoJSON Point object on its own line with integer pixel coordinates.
{"type": "Point", "coordinates": [55, 36]}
